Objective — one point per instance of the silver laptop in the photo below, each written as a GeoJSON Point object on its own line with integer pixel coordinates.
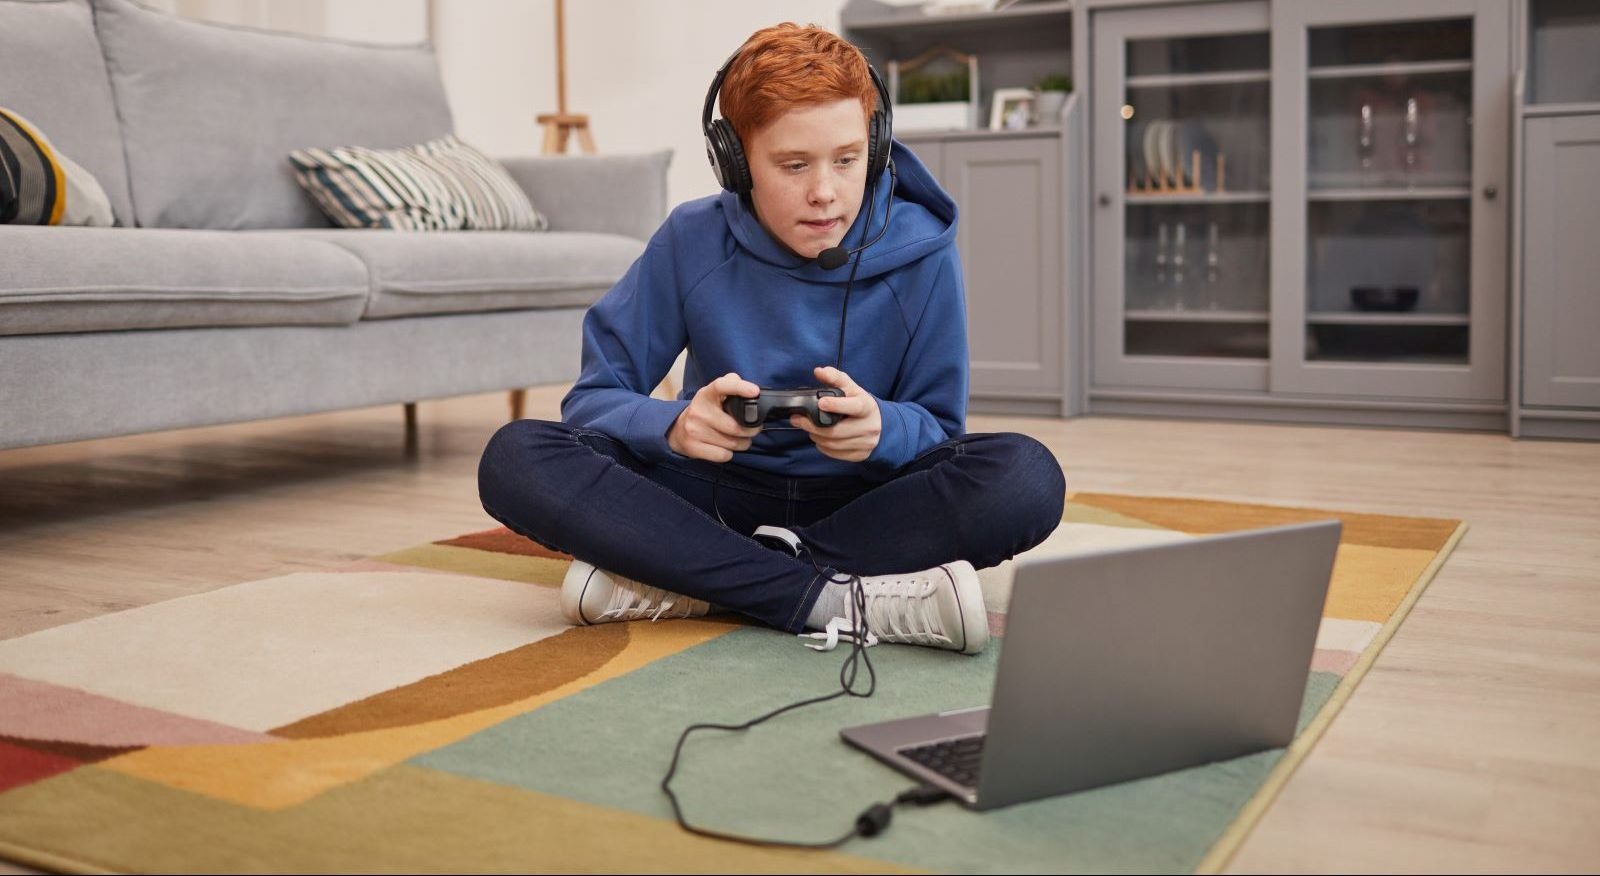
{"type": "Point", "coordinates": [1130, 663]}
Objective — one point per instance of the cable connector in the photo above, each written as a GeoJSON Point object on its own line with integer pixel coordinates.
{"type": "Point", "coordinates": [875, 820]}
{"type": "Point", "coordinates": [923, 795]}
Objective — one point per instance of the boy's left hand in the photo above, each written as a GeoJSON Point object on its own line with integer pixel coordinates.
{"type": "Point", "coordinates": [853, 438]}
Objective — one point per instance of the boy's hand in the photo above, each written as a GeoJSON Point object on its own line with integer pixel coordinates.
{"type": "Point", "coordinates": [704, 430]}
{"type": "Point", "coordinates": [851, 439]}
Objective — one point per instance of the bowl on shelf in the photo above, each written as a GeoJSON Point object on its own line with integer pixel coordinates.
{"type": "Point", "coordinates": [1391, 299]}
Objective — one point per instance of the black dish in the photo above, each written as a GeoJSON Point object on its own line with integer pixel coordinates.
{"type": "Point", "coordinates": [1391, 299]}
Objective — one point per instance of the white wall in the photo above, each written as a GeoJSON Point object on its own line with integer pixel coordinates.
{"type": "Point", "coordinates": [638, 68]}
{"type": "Point", "coordinates": [377, 21]}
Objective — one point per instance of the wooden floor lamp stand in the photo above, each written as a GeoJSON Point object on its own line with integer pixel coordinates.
{"type": "Point", "coordinates": [558, 127]}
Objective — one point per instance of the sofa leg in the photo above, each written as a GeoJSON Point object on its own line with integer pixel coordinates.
{"type": "Point", "coordinates": [411, 427]}
{"type": "Point", "coordinates": [518, 398]}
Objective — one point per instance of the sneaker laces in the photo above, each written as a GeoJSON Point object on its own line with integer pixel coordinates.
{"type": "Point", "coordinates": [901, 608]}
{"type": "Point", "coordinates": [634, 600]}
{"type": "Point", "coordinates": [904, 611]}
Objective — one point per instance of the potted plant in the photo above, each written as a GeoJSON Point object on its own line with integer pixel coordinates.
{"type": "Point", "coordinates": [1051, 94]}
{"type": "Point", "coordinates": [934, 91]}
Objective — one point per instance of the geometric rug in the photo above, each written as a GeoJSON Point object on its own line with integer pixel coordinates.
{"type": "Point", "coordinates": [428, 710]}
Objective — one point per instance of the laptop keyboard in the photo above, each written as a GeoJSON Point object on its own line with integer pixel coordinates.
{"type": "Point", "coordinates": [955, 759]}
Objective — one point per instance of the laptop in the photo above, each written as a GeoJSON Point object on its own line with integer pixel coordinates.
{"type": "Point", "coordinates": [1129, 663]}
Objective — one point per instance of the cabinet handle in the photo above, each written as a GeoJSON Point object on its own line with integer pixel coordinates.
{"type": "Point", "coordinates": [1105, 200]}
{"type": "Point", "coordinates": [1489, 192]}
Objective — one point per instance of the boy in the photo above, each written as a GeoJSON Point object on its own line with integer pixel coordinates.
{"type": "Point", "coordinates": [658, 500]}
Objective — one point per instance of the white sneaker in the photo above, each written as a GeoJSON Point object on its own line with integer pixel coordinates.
{"type": "Point", "coordinates": [941, 607]}
{"type": "Point", "coordinates": [590, 595]}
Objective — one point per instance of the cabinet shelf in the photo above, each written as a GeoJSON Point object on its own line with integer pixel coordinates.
{"type": "Point", "coordinates": [1389, 319]}
{"type": "Point", "coordinates": [1561, 109]}
{"type": "Point", "coordinates": [1230, 316]}
{"type": "Point", "coordinates": [1443, 193]}
{"type": "Point", "coordinates": [1178, 80]}
{"type": "Point", "coordinates": [1404, 68]}
{"type": "Point", "coordinates": [913, 18]}
{"type": "Point", "coordinates": [1134, 198]}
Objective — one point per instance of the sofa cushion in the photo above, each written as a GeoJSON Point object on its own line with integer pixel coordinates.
{"type": "Point", "coordinates": [104, 279]}
{"type": "Point", "coordinates": [443, 185]}
{"type": "Point", "coordinates": [416, 272]}
{"type": "Point", "coordinates": [209, 113]}
{"type": "Point", "coordinates": [52, 73]}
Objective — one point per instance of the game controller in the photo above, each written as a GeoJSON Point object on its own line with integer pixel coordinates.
{"type": "Point", "coordinates": [778, 404]}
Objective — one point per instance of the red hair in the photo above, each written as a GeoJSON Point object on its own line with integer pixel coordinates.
{"type": "Point", "coordinates": [787, 65]}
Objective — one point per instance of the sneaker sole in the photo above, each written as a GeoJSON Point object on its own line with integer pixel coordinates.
{"type": "Point", "coordinates": [969, 605]}
{"type": "Point", "coordinates": [572, 594]}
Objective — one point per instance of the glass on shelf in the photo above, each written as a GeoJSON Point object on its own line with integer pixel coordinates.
{"type": "Point", "coordinates": [1203, 260]}
{"type": "Point", "coordinates": [1391, 131]}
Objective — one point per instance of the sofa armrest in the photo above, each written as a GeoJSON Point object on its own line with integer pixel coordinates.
{"type": "Point", "coordinates": [619, 194]}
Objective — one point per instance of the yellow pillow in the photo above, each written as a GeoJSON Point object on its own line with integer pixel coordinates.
{"type": "Point", "coordinates": [40, 186]}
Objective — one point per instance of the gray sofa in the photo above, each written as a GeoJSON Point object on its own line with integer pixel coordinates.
{"type": "Point", "coordinates": [224, 295]}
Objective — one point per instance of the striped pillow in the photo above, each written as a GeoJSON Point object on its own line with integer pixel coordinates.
{"type": "Point", "coordinates": [40, 186]}
{"type": "Point", "coordinates": [442, 185]}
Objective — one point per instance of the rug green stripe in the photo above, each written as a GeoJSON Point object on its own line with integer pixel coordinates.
{"type": "Point", "coordinates": [794, 778]}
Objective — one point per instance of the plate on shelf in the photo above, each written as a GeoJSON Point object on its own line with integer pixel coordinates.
{"type": "Point", "coordinates": [1152, 150]}
{"type": "Point", "coordinates": [1135, 148]}
{"type": "Point", "coordinates": [1168, 144]}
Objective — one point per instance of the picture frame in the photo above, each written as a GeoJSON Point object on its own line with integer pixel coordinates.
{"type": "Point", "coordinates": [1011, 109]}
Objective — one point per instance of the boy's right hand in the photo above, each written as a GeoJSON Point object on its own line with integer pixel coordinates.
{"type": "Point", "coordinates": [704, 430]}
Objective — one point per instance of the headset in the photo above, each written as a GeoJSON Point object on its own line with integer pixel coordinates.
{"type": "Point", "coordinates": [727, 156]}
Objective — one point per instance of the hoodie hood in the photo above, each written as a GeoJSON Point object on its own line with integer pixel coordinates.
{"type": "Point", "coordinates": [923, 221]}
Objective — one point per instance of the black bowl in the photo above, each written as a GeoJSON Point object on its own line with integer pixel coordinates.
{"type": "Point", "coordinates": [1395, 298]}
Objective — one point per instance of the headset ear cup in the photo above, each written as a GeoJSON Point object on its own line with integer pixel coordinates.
{"type": "Point", "coordinates": [879, 147]}
{"type": "Point", "coordinates": [884, 145]}
{"type": "Point", "coordinates": [733, 171]}
{"type": "Point", "coordinates": [717, 150]}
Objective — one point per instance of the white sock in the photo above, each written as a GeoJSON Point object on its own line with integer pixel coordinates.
{"type": "Point", "coordinates": [834, 602]}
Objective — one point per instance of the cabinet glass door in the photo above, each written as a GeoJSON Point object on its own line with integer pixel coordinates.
{"type": "Point", "coordinates": [1386, 118]}
{"type": "Point", "coordinates": [1183, 97]}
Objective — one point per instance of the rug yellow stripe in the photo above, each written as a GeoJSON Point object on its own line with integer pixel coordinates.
{"type": "Point", "coordinates": [1251, 812]}
{"type": "Point", "coordinates": [483, 564]}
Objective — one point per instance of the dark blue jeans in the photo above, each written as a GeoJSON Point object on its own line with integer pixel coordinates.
{"type": "Point", "coordinates": [980, 498]}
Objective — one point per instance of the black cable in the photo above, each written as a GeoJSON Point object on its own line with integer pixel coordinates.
{"type": "Point", "coordinates": [888, 212]}
{"type": "Point", "coordinates": [874, 819]}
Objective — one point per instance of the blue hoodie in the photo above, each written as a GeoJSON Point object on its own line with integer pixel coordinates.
{"type": "Point", "coordinates": [713, 280]}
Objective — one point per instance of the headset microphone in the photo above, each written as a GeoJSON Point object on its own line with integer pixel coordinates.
{"type": "Point", "coordinates": [834, 257]}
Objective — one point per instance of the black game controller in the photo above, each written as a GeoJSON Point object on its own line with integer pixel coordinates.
{"type": "Point", "coordinates": [778, 404]}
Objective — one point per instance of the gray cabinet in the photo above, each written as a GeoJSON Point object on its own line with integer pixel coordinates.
{"type": "Point", "coordinates": [1008, 189]}
{"type": "Point", "coordinates": [1297, 210]}
{"type": "Point", "coordinates": [1009, 195]}
{"type": "Point", "coordinates": [1556, 267]}
{"type": "Point", "coordinates": [1561, 273]}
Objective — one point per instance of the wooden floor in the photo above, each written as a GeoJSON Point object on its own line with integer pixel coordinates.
{"type": "Point", "coordinates": [1473, 745]}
